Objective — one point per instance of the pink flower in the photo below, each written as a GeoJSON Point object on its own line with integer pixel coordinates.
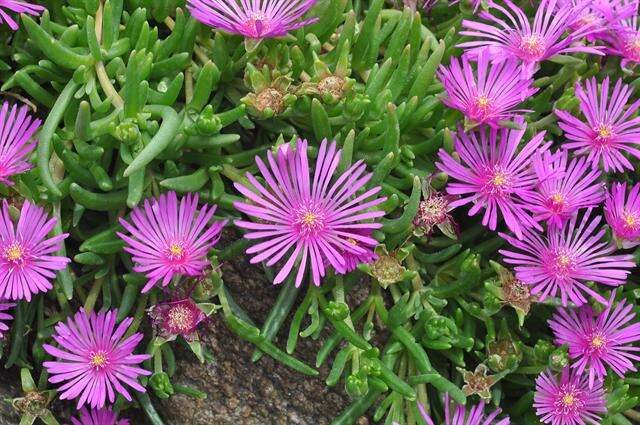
{"type": "Point", "coordinates": [95, 361]}
{"type": "Point", "coordinates": [568, 400]}
{"type": "Point", "coordinates": [308, 216]}
{"type": "Point", "coordinates": [513, 36]}
{"type": "Point", "coordinates": [564, 187]}
{"type": "Point", "coordinates": [17, 7]}
{"type": "Point", "coordinates": [98, 417]}
{"type": "Point", "coordinates": [611, 128]}
{"type": "Point", "coordinates": [4, 317]}
{"type": "Point", "coordinates": [174, 318]}
{"type": "Point", "coordinates": [488, 95]}
{"type": "Point", "coordinates": [462, 416]}
{"type": "Point", "coordinates": [170, 238]}
{"type": "Point", "coordinates": [623, 216]}
{"type": "Point", "coordinates": [599, 340]}
{"type": "Point", "coordinates": [493, 176]}
{"type": "Point", "coordinates": [26, 261]}
{"type": "Point", "coordinates": [16, 130]}
{"type": "Point", "coordinates": [566, 259]}
{"type": "Point", "coordinates": [624, 34]}
{"type": "Point", "coordinates": [253, 18]}
{"type": "Point", "coordinates": [353, 259]}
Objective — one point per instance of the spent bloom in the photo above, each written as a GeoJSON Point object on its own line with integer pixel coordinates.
{"type": "Point", "coordinates": [170, 237]}
{"type": "Point", "coordinates": [4, 317]}
{"type": "Point", "coordinates": [565, 259]}
{"type": "Point", "coordinates": [310, 216]}
{"type": "Point", "coordinates": [493, 175]}
{"type": "Point", "coordinates": [623, 214]}
{"type": "Point", "coordinates": [459, 415]}
{"type": "Point", "coordinates": [16, 130]}
{"type": "Point", "coordinates": [98, 417]}
{"type": "Point", "coordinates": [610, 130]}
{"type": "Point", "coordinates": [488, 95]}
{"type": "Point", "coordinates": [94, 359]}
{"type": "Point", "coordinates": [513, 36]}
{"type": "Point", "coordinates": [27, 263]}
{"type": "Point", "coordinates": [174, 318]}
{"type": "Point", "coordinates": [564, 187]}
{"type": "Point", "coordinates": [253, 18]}
{"type": "Point", "coordinates": [17, 6]}
{"type": "Point", "coordinates": [599, 340]}
{"type": "Point", "coordinates": [567, 399]}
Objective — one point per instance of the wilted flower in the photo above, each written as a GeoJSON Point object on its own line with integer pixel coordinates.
{"type": "Point", "coordinates": [4, 317]}
{"type": "Point", "coordinates": [26, 261]}
{"type": "Point", "coordinates": [566, 259]}
{"type": "Point", "coordinates": [568, 400]}
{"type": "Point", "coordinates": [98, 417]}
{"type": "Point", "coordinates": [95, 361]}
{"type": "Point", "coordinates": [623, 215]}
{"type": "Point", "coordinates": [513, 291]}
{"type": "Point", "coordinates": [170, 238]}
{"type": "Point", "coordinates": [610, 129]}
{"type": "Point", "coordinates": [564, 187]}
{"type": "Point", "coordinates": [462, 416]}
{"type": "Point", "coordinates": [516, 37]}
{"type": "Point", "coordinates": [308, 216]}
{"type": "Point", "coordinates": [387, 269]}
{"type": "Point", "coordinates": [599, 340]}
{"type": "Point", "coordinates": [478, 382]}
{"type": "Point", "coordinates": [493, 175]}
{"type": "Point", "coordinates": [253, 18]}
{"type": "Point", "coordinates": [488, 95]}
{"type": "Point", "coordinates": [17, 7]}
{"type": "Point", "coordinates": [174, 318]}
{"type": "Point", "coordinates": [17, 128]}
{"type": "Point", "coordinates": [433, 211]}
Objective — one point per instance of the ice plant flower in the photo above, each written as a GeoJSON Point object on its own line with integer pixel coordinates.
{"type": "Point", "coordinates": [493, 175]}
{"type": "Point", "coordinates": [27, 263]}
{"type": "Point", "coordinates": [353, 259]}
{"type": "Point", "coordinates": [623, 36]}
{"type": "Point", "coordinates": [308, 216]}
{"type": "Point", "coordinates": [513, 36]}
{"type": "Point", "coordinates": [599, 340]}
{"type": "Point", "coordinates": [611, 128]}
{"type": "Point", "coordinates": [623, 215]}
{"type": "Point", "coordinates": [253, 18]}
{"type": "Point", "coordinates": [16, 130]}
{"type": "Point", "coordinates": [567, 399]}
{"type": "Point", "coordinates": [564, 187]}
{"type": "Point", "coordinates": [94, 360]}
{"type": "Point", "coordinates": [17, 6]}
{"type": "Point", "coordinates": [4, 317]}
{"type": "Point", "coordinates": [98, 417]}
{"type": "Point", "coordinates": [566, 259]}
{"type": "Point", "coordinates": [170, 237]}
{"type": "Point", "coordinates": [459, 415]}
{"type": "Point", "coordinates": [174, 318]}
{"type": "Point", "coordinates": [488, 95]}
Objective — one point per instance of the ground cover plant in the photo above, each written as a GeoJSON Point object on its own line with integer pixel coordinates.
{"type": "Point", "coordinates": [470, 167]}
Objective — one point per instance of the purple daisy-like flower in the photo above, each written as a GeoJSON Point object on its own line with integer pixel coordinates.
{"type": "Point", "coordinates": [17, 7]}
{"type": "Point", "coordinates": [567, 399]}
{"type": "Point", "coordinates": [460, 415]}
{"type": "Point", "coordinates": [610, 129]}
{"type": "Point", "coordinates": [599, 340]}
{"type": "Point", "coordinates": [170, 237]}
{"type": "Point", "coordinates": [98, 417]}
{"type": "Point", "coordinates": [567, 258]}
{"type": "Point", "coordinates": [4, 317]}
{"type": "Point", "coordinates": [26, 261]}
{"type": "Point", "coordinates": [353, 259]}
{"type": "Point", "coordinates": [489, 94]}
{"type": "Point", "coordinates": [623, 36]}
{"type": "Point", "coordinates": [16, 130]}
{"type": "Point", "coordinates": [597, 15]}
{"type": "Point", "coordinates": [493, 175]}
{"type": "Point", "coordinates": [253, 18]}
{"type": "Point", "coordinates": [623, 214]}
{"type": "Point", "coordinates": [564, 187]}
{"type": "Point", "coordinates": [308, 216]}
{"type": "Point", "coordinates": [95, 360]}
{"type": "Point", "coordinates": [513, 36]}
{"type": "Point", "coordinates": [174, 318]}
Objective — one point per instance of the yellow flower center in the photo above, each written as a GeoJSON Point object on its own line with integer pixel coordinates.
{"type": "Point", "coordinates": [569, 400]}
{"type": "Point", "coordinates": [310, 219]}
{"type": "Point", "coordinates": [499, 179]}
{"type": "Point", "coordinates": [98, 359]}
{"type": "Point", "coordinates": [630, 219]}
{"type": "Point", "coordinates": [557, 198]}
{"type": "Point", "coordinates": [14, 253]}
{"type": "Point", "coordinates": [597, 341]}
{"type": "Point", "coordinates": [180, 318]}
{"type": "Point", "coordinates": [604, 131]}
{"type": "Point", "coordinates": [532, 45]}
{"type": "Point", "coordinates": [176, 249]}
